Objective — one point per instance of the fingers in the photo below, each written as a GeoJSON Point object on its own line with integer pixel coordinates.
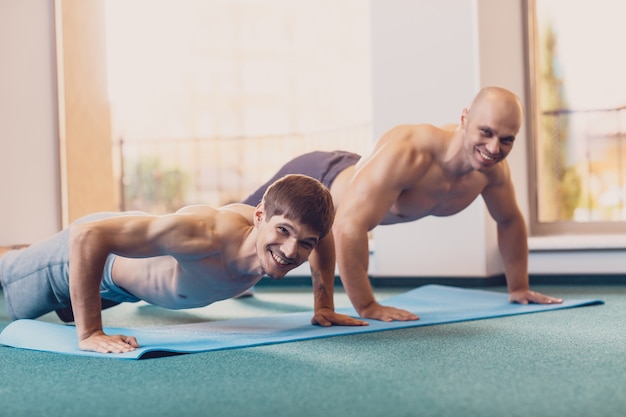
{"type": "Point", "coordinates": [329, 319]}
{"type": "Point", "coordinates": [132, 341]}
{"type": "Point", "coordinates": [355, 322]}
{"type": "Point", "coordinates": [533, 297]}
{"type": "Point", "coordinates": [400, 315]}
{"type": "Point", "coordinates": [378, 312]}
{"type": "Point", "coordinates": [518, 300]}
{"type": "Point", "coordinates": [544, 299]}
{"type": "Point", "coordinates": [320, 321]}
{"type": "Point", "coordinates": [387, 314]}
{"type": "Point", "coordinates": [109, 344]}
{"type": "Point", "coordinates": [351, 321]}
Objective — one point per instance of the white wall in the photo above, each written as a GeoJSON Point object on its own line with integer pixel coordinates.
{"type": "Point", "coordinates": [430, 58]}
{"type": "Point", "coordinates": [425, 70]}
{"type": "Point", "coordinates": [29, 186]}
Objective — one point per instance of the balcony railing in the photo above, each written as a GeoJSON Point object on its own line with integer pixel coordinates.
{"type": "Point", "coordinates": [162, 175]}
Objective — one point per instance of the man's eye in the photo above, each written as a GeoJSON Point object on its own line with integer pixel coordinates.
{"type": "Point", "coordinates": [283, 230]}
{"type": "Point", "coordinates": [486, 132]}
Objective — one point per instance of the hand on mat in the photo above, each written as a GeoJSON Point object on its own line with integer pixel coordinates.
{"type": "Point", "coordinates": [103, 343]}
{"type": "Point", "coordinates": [326, 317]}
{"type": "Point", "coordinates": [386, 313]}
{"type": "Point", "coordinates": [527, 296]}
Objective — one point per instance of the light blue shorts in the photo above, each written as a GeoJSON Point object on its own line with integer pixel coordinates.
{"type": "Point", "coordinates": [35, 280]}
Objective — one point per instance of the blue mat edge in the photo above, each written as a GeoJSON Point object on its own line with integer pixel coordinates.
{"type": "Point", "coordinates": [375, 326]}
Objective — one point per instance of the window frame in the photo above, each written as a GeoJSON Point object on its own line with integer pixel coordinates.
{"type": "Point", "coordinates": [538, 228]}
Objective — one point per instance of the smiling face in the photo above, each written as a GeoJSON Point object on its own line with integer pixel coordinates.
{"type": "Point", "coordinates": [490, 127]}
{"type": "Point", "coordinates": [282, 244]}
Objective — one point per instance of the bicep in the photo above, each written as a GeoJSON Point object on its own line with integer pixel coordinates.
{"type": "Point", "coordinates": [377, 185]}
{"type": "Point", "coordinates": [501, 202]}
{"type": "Point", "coordinates": [367, 201]}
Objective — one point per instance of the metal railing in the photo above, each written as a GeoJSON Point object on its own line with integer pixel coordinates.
{"type": "Point", "coordinates": [161, 175]}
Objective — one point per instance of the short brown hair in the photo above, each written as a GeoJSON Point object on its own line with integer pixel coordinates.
{"type": "Point", "coordinates": [301, 198]}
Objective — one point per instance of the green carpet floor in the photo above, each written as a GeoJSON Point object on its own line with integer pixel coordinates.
{"type": "Point", "coordinates": [560, 363]}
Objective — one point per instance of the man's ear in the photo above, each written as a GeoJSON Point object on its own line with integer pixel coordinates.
{"type": "Point", "coordinates": [259, 213]}
{"type": "Point", "coordinates": [464, 117]}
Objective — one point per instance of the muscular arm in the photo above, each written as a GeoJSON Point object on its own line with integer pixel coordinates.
{"type": "Point", "coordinates": [130, 236]}
{"type": "Point", "coordinates": [322, 262]}
{"type": "Point", "coordinates": [512, 240]}
{"type": "Point", "coordinates": [374, 189]}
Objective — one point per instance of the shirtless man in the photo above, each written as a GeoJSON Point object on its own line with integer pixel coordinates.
{"type": "Point", "coordinates": [188, 259]}
{"type": "Point", "coordinates": [421, 170]}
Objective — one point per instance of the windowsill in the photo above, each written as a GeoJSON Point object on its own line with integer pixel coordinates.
{"type": "Point", "coordinates": [576, 242]}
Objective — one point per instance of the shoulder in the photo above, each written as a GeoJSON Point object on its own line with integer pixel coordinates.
{"type": "Point", "coordinates": [499, 177]}
{"type": "Point", "coordinates": [197, 209]}
{"type": "Point", "coordinates": [198, 219]}
{"type": "Point", "coordinates": [234, 218]}
{"type": "Point", "coordinates": [418, 139]}
{"type": "Point", "coordinates": [500, 173]}
{"type": "Point", "coordinates": [228, 213]}
{"type": "Point", "coordinates": [410, 131]}
{"type": "Point", "coordinates": [398, 158]}
{"type": "Point", "coordinates": [238, 210]}
{"type": "Point", "coordinates": [413, 145]}
{"type": "Point", "coordinates": [229, 210]}
{"type": "Point", "coordinates": [203, 229]}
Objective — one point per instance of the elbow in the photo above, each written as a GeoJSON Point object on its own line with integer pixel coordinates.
{"type": "Point", "coordinates": [81, 236]}
{"type": "Point", "coordinates": [341, 229]}
{"type": "Point", "coordinates": [513, 226]}
{"type": "Point", "coordinates": [349, 227]}
{"type": "Point", "coordinates": [78, 234]}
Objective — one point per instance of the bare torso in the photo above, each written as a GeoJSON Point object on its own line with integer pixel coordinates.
{"type": "Point", "coordinates": [431, 192]}
{"type": "Point", "coordinates": [165, 282]}
{"type": "Point", "coordinates": [435, 197]}
{"type": "Point", "coordinates": [185, 281]}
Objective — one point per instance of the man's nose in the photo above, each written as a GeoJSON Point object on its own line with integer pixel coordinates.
{"type": "Point", "coordinates": [290, 248]}
{"type": "Point", "coordinates": [493, 146]}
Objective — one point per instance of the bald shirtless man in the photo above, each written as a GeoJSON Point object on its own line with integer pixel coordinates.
{"type": "Point", "coordinates": [421, 170]}
{"type": "Point", "coordinates": [188, 259]}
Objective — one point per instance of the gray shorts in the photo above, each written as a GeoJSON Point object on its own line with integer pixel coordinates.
{"type": "Point", "coordinates": [35, 280]}
{"type": "Point", "coordinates": [321, 165]}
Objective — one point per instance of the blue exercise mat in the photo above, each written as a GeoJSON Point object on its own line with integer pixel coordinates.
{"type": "Point", "coordinates": [435, 304]}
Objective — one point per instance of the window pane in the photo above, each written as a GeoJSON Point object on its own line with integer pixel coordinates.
{"type": "Point", "coordinates": [579, 113]}
{"type": "Point", "coordinates": [209, 98]}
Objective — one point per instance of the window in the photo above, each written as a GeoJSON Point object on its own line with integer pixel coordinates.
{"type": "Point", "coordinates": [204, 100]}
{"type": "Point", "coordinates": [210, 98]}
{"type": "Point", "coordinates": [577, 116]}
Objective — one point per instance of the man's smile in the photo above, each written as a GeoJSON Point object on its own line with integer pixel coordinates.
{"type": "Point", "coordinates": [279, 260]}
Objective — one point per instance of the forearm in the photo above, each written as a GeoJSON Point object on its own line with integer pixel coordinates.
{"type": "Point", "coordinates": [87, 315]}
{"type": "Point", "coordinates": [323, 279]}
{"type": "Point", "coordinates": [322, 262]}
{"type": "Point", "coordinates": [85, 275]}
{"type": "Point", "coordinates": [323, 293]}
{"type": "Point", "coordinates": [353, 262]}
{"type": "Point", "coordinates": [513, 245]}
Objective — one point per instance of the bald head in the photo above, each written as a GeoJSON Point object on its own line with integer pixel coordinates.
{"type": "Point", "coordinates": [500, 104]}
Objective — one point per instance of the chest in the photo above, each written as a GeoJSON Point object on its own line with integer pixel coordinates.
{"type": "Point", "coordinates": [165, 282]}
{"type": "Point", "coordinates": [202, 283]}
{"type": "Point", "coordinates": [435, 197]}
